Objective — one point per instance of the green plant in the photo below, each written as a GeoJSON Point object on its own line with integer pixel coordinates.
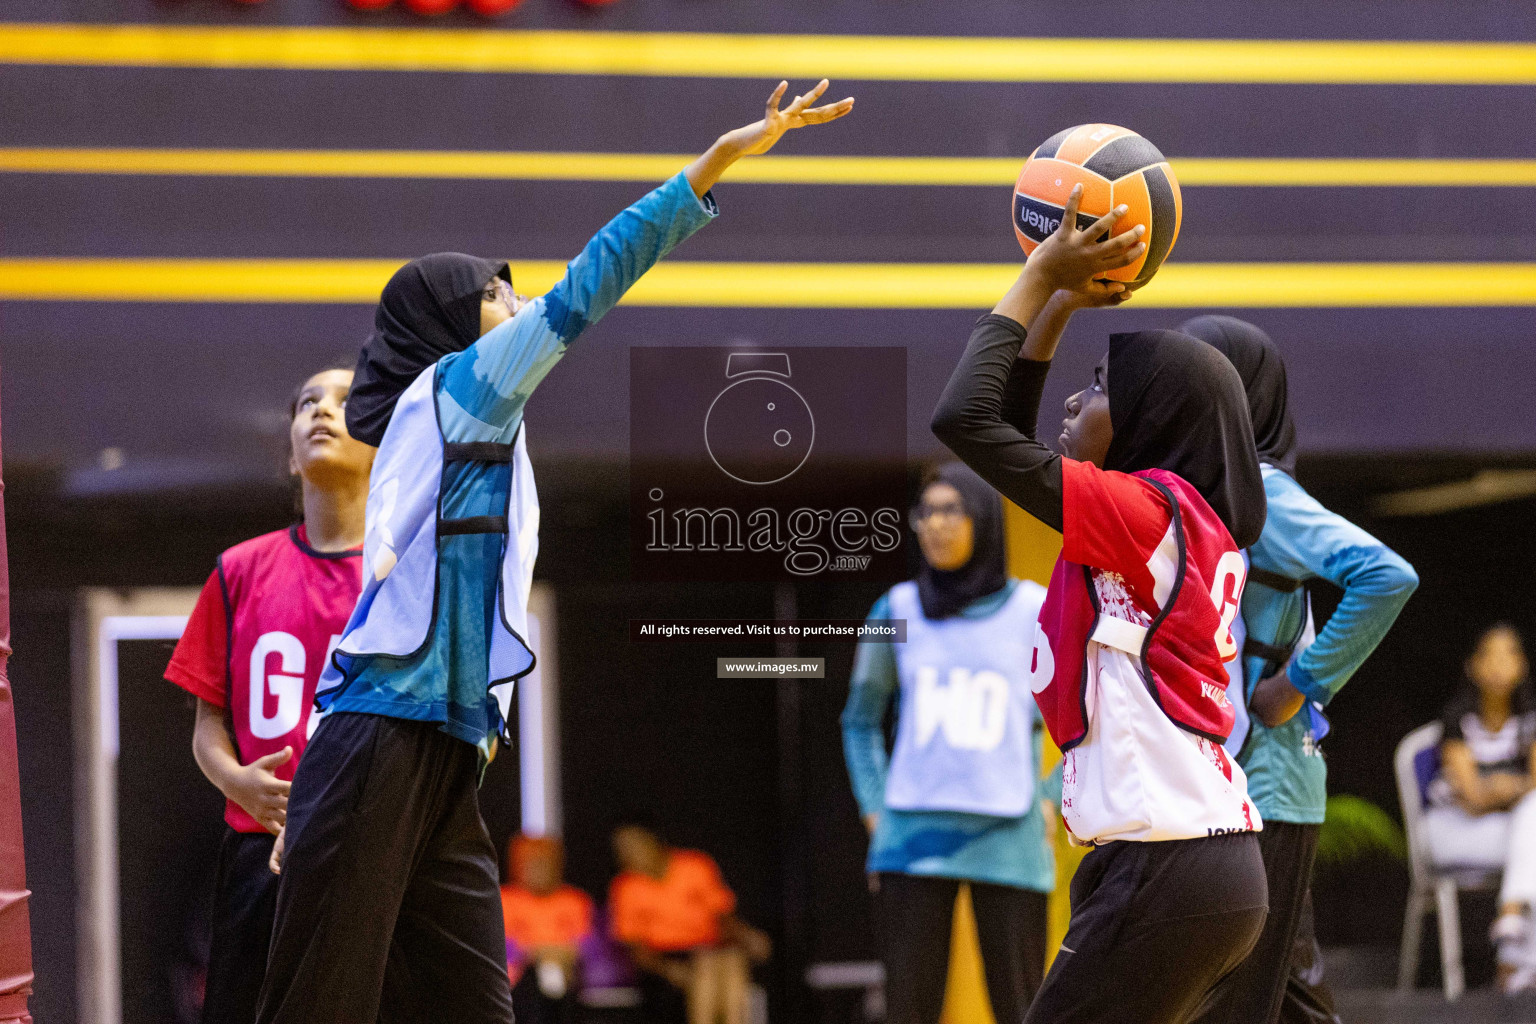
{"type": "Point", "coordinates": [1355, 828]}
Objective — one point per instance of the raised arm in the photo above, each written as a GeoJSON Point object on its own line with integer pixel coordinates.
{"type": "Point", "coordinates": [1001, 447]}
{"type": "Point", "coordinates": [760, 136]}
{"type": "Point", "coordinates": [492, 379]}
{"type": "Point", "coordinates": [489, 383]}
{"type": "Point", "coordinates": [988, 410]}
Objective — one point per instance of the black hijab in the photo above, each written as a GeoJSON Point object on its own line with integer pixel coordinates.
{"type": "Point", "coordinates": [1259, 364]}
{"type": "Point", "coordinates": [431, 307]}
{"type": "Point", "coordinates": [1176, 403]}
{"type": "Point", "coordinates": [944, 593]}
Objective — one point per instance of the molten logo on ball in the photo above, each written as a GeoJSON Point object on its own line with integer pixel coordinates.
{"type": "Point", "coordinates": [1038, 221]}
{"type": "Point", "coordinates": [759, 430]}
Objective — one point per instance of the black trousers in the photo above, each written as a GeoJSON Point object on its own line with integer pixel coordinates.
{"type": "Point", "coordinates": [916, 912]}
{"type": "Point", "coordinates": [534, 1007]}
{"type": "Point", "coordinates": [1308, 999]}
{"type": "Point", "coordinates": [244, 897]}
{"type": "Point", "coordinates": [1282, 979]}
{"type": "Point", "coordinates": [661, 1002]}
{"type": "Point", "coordinates": [388, 907]}
{"type": "Point", "coordinates": [1154, 927]}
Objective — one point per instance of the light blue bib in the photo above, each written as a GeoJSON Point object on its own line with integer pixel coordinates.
{"type": "Point", "coordinates": [395, 612]}
{"type": "Point", "coordinates": [963, 738]}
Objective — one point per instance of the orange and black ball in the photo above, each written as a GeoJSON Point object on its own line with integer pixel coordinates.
{"type": "Point", "coordinates": [1114, 165]}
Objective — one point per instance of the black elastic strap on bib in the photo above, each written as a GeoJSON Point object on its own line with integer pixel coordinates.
{"type": "Point", "coordinates": [1269, 652]}
{"type": "Point", "coordinates": [471, 524]}
{"type": "Point", "coordinates": [1273, 580]}
{"type": "Point", "coordinates": [476, 451]}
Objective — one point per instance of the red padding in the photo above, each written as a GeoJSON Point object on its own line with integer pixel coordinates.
{"type": "Point", "coordinates": [15, 927]}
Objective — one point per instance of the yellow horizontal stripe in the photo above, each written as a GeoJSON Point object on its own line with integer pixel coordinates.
{"type": "Point", "coordinates": [786, 285]}
{"type": "Point", "coordinates": [714, 55]}
{"type": "Point", "coordinates": [363, 163]}
{"type": "Point", "coordinates": [797, 170]}
{"type": "Point", "coordinates": [1329, 171]}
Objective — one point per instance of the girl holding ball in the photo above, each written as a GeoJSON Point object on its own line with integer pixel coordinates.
{"type": "Point", "coordinates": [1156, 493]}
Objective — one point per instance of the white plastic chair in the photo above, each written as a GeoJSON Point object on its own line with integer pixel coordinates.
{"type": "Point", "coordinates": [1430, 889]}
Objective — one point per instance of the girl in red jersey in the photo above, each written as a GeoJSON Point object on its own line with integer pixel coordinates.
{"type": "Point", "coordinates": [251, 654]}
{"type": "Point", "coordinates": [1158, 493]}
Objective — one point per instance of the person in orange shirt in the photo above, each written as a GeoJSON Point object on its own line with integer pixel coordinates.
{"type": "Point", "coordinates": [547, 921]}
{"type": "Point", "coordinates": [676, 915]}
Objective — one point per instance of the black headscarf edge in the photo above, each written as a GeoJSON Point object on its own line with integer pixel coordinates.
{"type": "Point", "coordinates": [1262, 368]}
{"type": "Point", "coordinates": [1178, 404]}
{"type": "Point", "coordinates": [429, 308]}
{"type": "Point", "coordinates": [945, 594]}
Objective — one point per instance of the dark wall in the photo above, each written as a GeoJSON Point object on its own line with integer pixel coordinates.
{"type": "Point", "coordinates": [1300, 19]}
{"type": "Point", "coordinates": [169, 384]}
{"type": "Point", "coordinates": [193, 393]}
{"type": "Point", "coordinates": [168, 833]}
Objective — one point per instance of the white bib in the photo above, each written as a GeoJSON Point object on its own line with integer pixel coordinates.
{"type": "Point", "coordinates": [964, 736]}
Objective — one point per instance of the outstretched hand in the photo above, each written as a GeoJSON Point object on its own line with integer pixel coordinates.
{"type": "Point", "coordinates": [761, 136]}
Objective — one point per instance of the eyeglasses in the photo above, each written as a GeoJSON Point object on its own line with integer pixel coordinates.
{"type": "Point", "coordinates": [921, 514]}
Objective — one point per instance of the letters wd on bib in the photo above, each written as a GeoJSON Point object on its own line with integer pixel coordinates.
{"type": "Point", "coordinates": [966, 744]}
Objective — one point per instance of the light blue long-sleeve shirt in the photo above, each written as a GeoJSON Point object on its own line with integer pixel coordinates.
{"type": "Point", "coordinates": [480, 394]}
{"type": "Point", "coordinates": [948, 844]}
{"type": "Point", "coordinates": [1302, 540]}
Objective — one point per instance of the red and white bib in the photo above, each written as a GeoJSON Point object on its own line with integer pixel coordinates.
{"type": "Point", "coordinates": [1129, 660]}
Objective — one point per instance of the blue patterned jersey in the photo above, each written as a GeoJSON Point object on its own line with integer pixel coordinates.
{"type": "Point", "coordinates": [1302, 540]}
{"type": "Point", "coordinates": [480, 395]}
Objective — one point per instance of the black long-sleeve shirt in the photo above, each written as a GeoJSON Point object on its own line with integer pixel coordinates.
{"type": "Point", "coordinates": [987, 417]}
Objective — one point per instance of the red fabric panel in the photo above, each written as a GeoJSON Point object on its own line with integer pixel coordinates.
{"type": "Point", "coordinates": [15, 926]}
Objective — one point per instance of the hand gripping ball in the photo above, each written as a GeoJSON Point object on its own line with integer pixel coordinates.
{"type": "Point", "coordinates": [1114, 165]}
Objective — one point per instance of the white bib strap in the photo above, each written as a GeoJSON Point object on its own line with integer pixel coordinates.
{"type": "Point", "coordinates": [1119, 634]}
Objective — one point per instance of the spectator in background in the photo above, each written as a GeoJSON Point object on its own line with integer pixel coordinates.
{"type": "Point", "coordinates": [676, 915]}
{"type": "Point", "coordinates": [547, 924]}
{"type": "Point", "coordinates": [1481, 813]}
{"type": "Point", "coordinates": [958, 800]}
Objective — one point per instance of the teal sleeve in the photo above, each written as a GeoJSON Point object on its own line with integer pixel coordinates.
{"type": "Point", "coordinates": [490, 381]}
{"type": "Point", "coordinates": [1302, 539]}
{"type": "Point", "coordinates": [870, 691]}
